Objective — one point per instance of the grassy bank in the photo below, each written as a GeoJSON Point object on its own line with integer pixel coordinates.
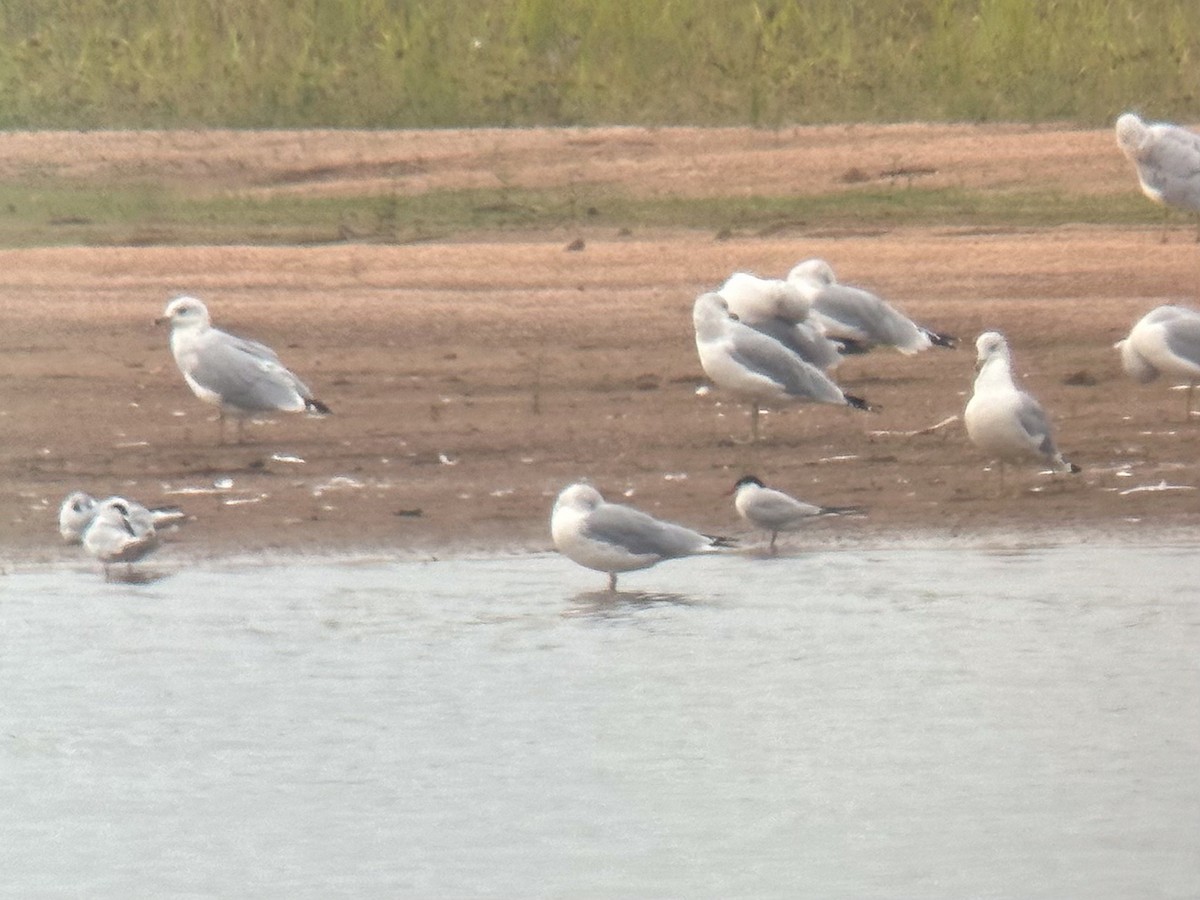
{"type": "Point", "coordinates": [69, 213]}
{"type": "Point", "coordinates": [410, 63]}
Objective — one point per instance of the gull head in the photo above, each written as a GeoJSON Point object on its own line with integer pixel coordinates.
{"type": "Point", "coordinates": [1131, 133]}
{"type": "Point", "coordinates": [764, 297]}
{"type": "Point", "coordinates": [812, 271]}
{"type": "Point", "coordinates": [990, 345]}
{"type": "Point", "coordinates": [185, 312]}
{"type": "Point", "coordinates": [579, 497]}
{"type": "Point", "coordinates": [75, 514]}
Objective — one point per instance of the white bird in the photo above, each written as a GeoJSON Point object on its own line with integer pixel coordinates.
{"type": "Point", "coordinates": [612, 538]}
{"type": "Point", "coordinates": [1165, 341]}
{"type": "Point", "coordinates": [1001, 419]}
{"type": "Point", "coordinates": [774, 511]}
{"type": "Point", "coordinates": [756, 367]}
{"type": "Point", "coordinates": [859, 317]}
{"type": "Point", "coordinates": [242, 378]}
{"type": "Point", "coordinates": [1167, 160]}
{"type": "Point", "coordinates": [79, 508]}
{"type": "Point", "coordinates": [779, 310]}
{"type": "Point", "coordinates": [116, 535]}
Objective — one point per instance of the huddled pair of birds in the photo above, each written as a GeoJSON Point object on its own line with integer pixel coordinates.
{"type": "Point", "coordinates": [114, 530]}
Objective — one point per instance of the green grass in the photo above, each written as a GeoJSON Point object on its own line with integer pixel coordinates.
{"type": "Point", "coordinates": [67, 213]}
{"type": "Point", "coordinates": [420, 63]}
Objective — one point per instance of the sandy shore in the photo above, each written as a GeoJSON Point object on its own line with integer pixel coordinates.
{"type": "Point", "coordinates": [472, 379]}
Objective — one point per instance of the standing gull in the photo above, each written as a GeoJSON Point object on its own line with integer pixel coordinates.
{"type": "Point", "coordinates": [79, 508]}
{"type": "Point", "coordinates": [752, 365]}
{"type": "Point", "coordinates": [1001, 419]}
{"type": "Point", "coordinates": [612, 538]}
{"type": "Point", "coordinates": [779, 310]}
{"type": "Point", "coordinates": [857, 316]}
{"type": "Point", "coordinates": [1167, 160]}
{"type": "Point", "coordinates": [1165, 341]}
{"type": "Point", "coordinates": [775, 511]}
{"type": "Point", "coordinates": [242, 378]}
{"type": "Point", "coordinates": [116, 535]}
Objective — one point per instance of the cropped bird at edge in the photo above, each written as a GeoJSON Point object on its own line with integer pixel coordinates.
{"type": "Point", "coordinates": [1167, 160]}
{"type": "Point", "coordinates": [772, 510]}
{"type": "Point", "coordinates": [1165, 341]}
{"type": "Point", "coordinates": [242, 378]}
{"type": "Point", "coordinates": [614, 538]}
{"type": "Point", "coordinates": [756, 367]}
{"type": "Point", "coordinates": [1002, 420]}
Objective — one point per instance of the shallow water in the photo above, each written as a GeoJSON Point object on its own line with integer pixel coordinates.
{"type": "Point", "coordinates": [910, 721]}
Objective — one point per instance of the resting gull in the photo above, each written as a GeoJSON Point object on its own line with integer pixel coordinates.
{"type": "Point", "coordinates": [1167, 160]}
{"type": "Point", "coordinates": [1001, 419]}
{"type": "Point", "coordinates": [242, 378]}
{"type": "Point", "coordinates": [612, 538]}
{"type": "Point", "coordinates": [774, 511]}
{"type": "Point", "coordinates": [779, 310]}
{"type": "Point", "coordinates": [756, 367]}
{"type": "Point", "coordinates": [858, 316]}
{"type": "Point", "coordinates": [1165, 341]}
{"type": "Point", "coordinates": [116, 535]}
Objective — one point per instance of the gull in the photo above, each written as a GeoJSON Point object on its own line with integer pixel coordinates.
{"type": "Point", "coordinates": [612, 538]}
{"type": "Point", "coordinates": [117, 535]}
{"type": "Point", "coordinates": [1164, 341]}
{"type": "Point", "coordinates": [1001, 419]}
{"type": "Point", "coordinates": [858, 316]}
{"type": "Point", "coordinates": [242, 378]}
{"type": "Point", "coordinates": [779, 310]}
{"type": "Point", "coordinates": [774, 511]}
{"type": "Point", "coordinates": [79, 508]}
{"type": "Point", "coordinates": [1167, 160]}
{"type": "Point", "coordinates": [756, 367]}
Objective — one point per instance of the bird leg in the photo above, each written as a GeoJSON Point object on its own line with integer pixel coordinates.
{"type": "Point", "coordinates": [774, 534]}
{"type": "Point", "coordinates": [612, 582]}
{"type": "Point", "coordinates": [1187, 413]}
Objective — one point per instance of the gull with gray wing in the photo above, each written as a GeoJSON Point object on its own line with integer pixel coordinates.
{"type": "Point", "coordinates": [1167, 160]}
{"type": "Point", "coordinates": [1004, 421]}
{"type": "Point", "coordinates": [242, 378]}
{"type": "Point", "coordinates": [756, 367]}
{"type": "Point", "coordinates": [613, 538]}
{"type": "Point", "coordinates": [1165, 341]}
{"type": "Point", "coordinates": [859, 317]}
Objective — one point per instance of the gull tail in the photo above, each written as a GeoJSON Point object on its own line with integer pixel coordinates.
{"type": "Point", "coordinates": [940, 340]}
{"type": "Point", "coordinates": [316, 407]}
{"type": "Point", "coordinates": [858, 403]}
{"type": "Point", "coordinates": [843, 511]}
{"type": "Point", "coordinates": [165, 515]}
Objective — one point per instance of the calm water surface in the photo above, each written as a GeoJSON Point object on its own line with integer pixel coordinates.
{"type": "Point", "coordinates": [901, 722]}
